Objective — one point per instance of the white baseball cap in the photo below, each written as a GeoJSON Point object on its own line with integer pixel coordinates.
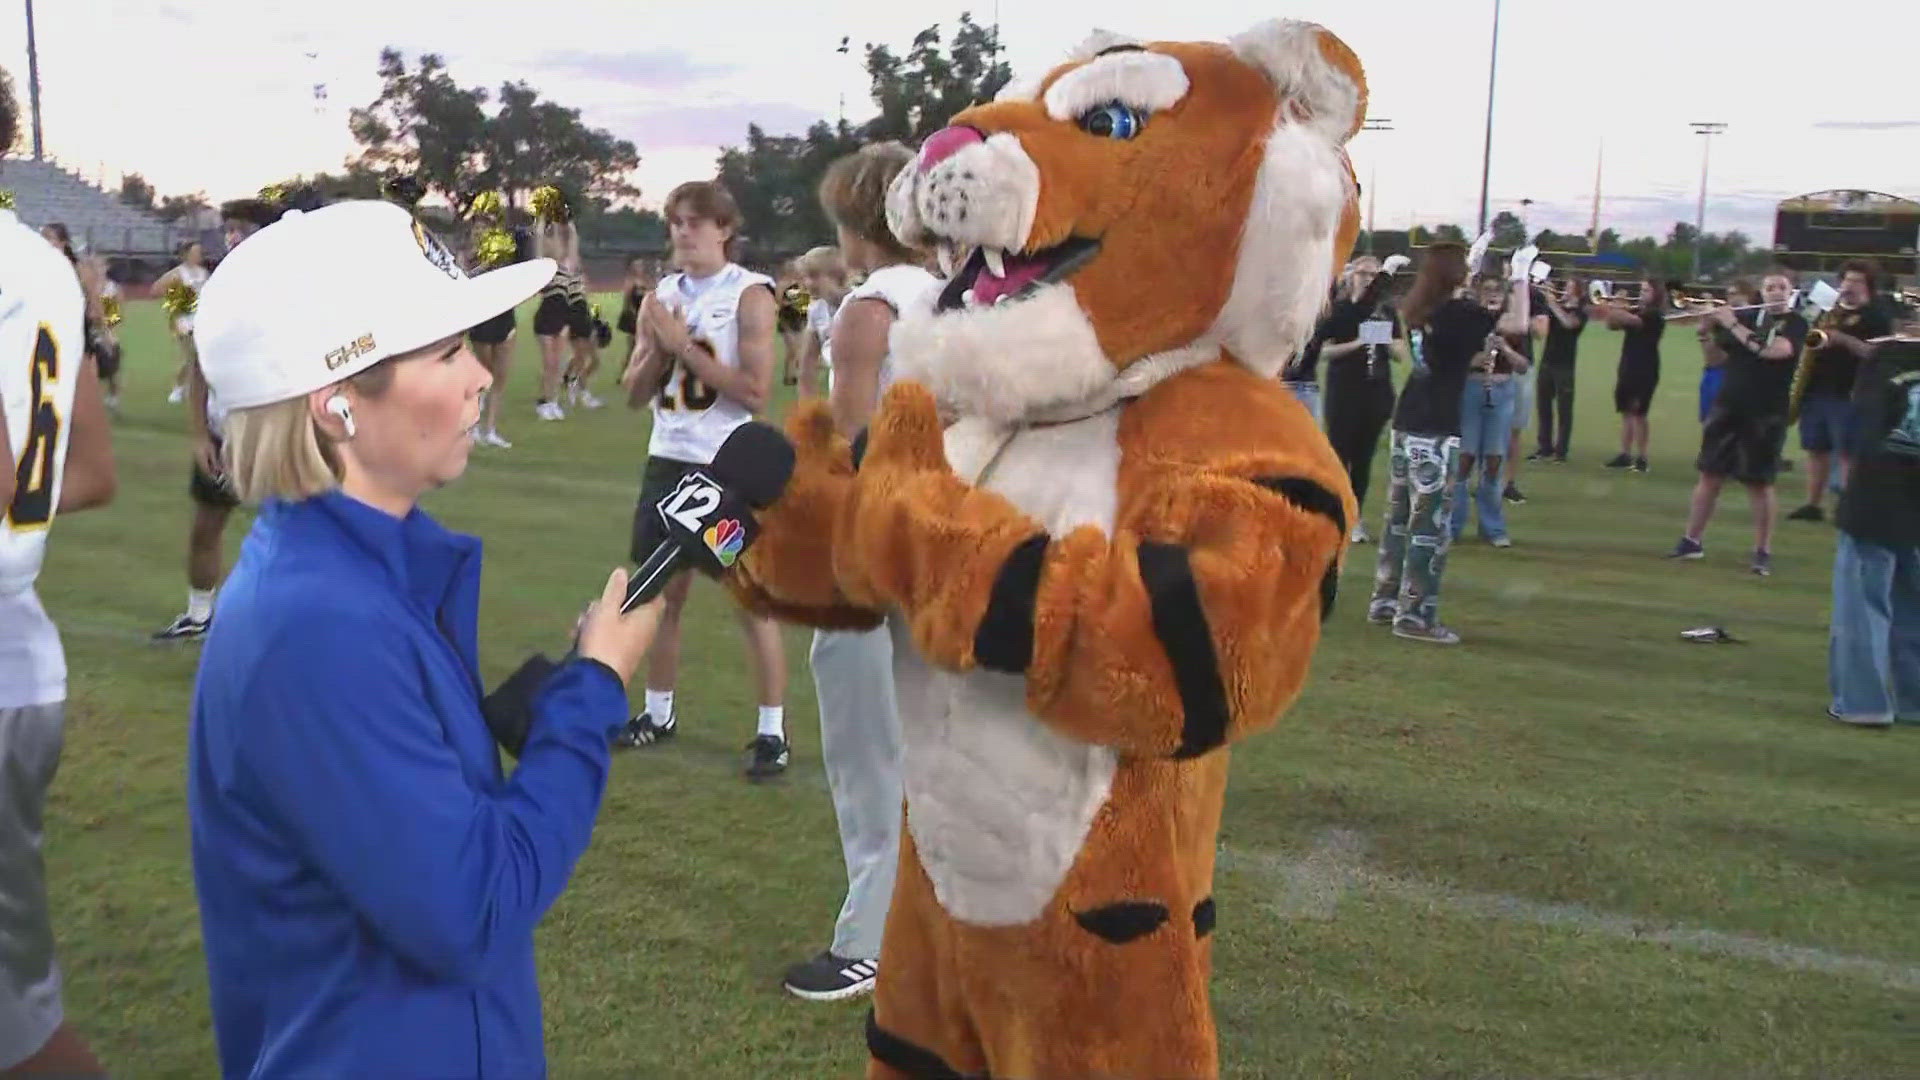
{"type": "Point", "coordinates": [318, 296]}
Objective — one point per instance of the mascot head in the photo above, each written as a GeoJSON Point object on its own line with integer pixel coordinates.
{"type": "Point", "coordinates": [1145, 206]}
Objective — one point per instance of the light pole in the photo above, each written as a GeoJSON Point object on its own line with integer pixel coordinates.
{"type": "Point", "coordinates": [1708, 130]}
{"type": "Point", "coordinates": [33, 83]}
{"type": "Point", "coordinates": [1486, 148]}
{"type": "Point", "coordinates": [1373, 171]}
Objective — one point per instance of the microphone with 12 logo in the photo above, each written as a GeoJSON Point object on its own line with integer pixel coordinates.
{"type": "Point", "coordinates": [709, 514]}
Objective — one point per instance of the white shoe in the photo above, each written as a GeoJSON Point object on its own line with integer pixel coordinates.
{"type": "Point", "coordinates": [178, 395]}
{"type": "Point", "coordinates": [492, 438]}
{"type": "Point", "coordinates": [584, 398]}
{"type": "Point", "coordinates": [549, 410]}
{"type": "Point", "coordinates": [1359, 535]}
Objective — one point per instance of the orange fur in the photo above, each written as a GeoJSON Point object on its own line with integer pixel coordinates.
{"type": "Point", "coordinates": [1099, 963]}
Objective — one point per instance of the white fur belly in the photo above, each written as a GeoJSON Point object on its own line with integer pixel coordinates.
{"type": "Point", "coordinates": [998, 803]}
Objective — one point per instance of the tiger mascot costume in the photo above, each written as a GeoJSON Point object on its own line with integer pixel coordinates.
{"type": "Point", "coordinates": [1103, 535]}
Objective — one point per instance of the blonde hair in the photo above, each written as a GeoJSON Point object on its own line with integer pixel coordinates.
{"type": "Point", "coordinates": [854, 194]}
{"type": "Point", "coordinates": [277, 452]}
{"type": "Point", "coordinates": [825, 261]}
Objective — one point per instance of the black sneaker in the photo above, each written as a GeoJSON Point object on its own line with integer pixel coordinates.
{"type": "Point", "coordinates": [1559, 459]}
{"type": "Point", "coordinates": [642, 730]}
{"type": "Point", "coordinates": [1512, 494]}
{"type": "Point", "coordinates": [1688, 549]}
{"type": "Point", "coordinates": [1539, 455]}
{"type": "Point", "coordinates": [184, 628]}
{"type": "Point", "coordinates": [1763, 564]}
{"type": "Point", "coordinates": [1808, 512]}
{"type": "Point", "coordinates": [1621, 461]}
{"type": "Point", "coordinates": [766, 756]}
{"type": "Point", "coordinates": [831, 978]}
{"type": "Point", "coordinates": [1640, 465]}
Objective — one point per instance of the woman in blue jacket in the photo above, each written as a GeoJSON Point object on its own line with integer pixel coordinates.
{"type": "Point", "coordinates": [369, 878]}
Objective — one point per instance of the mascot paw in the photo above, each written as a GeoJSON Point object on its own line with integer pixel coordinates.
{"type": "Point", "coordinates": [903, 478]}
{"type": "Point", "coordinates": [787, 572]}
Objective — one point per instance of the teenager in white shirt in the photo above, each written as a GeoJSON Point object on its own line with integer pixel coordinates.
{"type": "Point", "coordinates": [853, 670]}
{"type": "Point", "coordinates": [704, 366]}
{"type": "Point", "coordinates": [824, 272]}
{"type": "Point", "coordinates": [56, 457]}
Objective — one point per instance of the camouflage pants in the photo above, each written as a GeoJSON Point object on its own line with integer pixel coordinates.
{"type": "Point", "coordinates": [1413, 548]}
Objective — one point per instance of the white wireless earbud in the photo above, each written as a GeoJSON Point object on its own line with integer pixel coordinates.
{"type": "Point", "coordinates": [337, 405]}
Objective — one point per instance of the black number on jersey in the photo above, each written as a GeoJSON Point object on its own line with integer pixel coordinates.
{"type": "Point", "coordinates": [32, 505]}
{"type": "Point", "coordinates": [695, 395]}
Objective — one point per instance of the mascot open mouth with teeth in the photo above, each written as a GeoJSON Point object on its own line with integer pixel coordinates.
{"type": "Point", "coordinates": [1103, 535]}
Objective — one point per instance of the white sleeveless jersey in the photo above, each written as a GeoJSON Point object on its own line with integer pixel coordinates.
{"type": "Point", "coordinates": [901, 287]}
{"type": "Point", "coordinates": [691, 419]}
{"type": "Point", "coordinates": [42, 345]}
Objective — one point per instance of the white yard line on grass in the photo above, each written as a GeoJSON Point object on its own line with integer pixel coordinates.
{"type": "Point", "coordinates": [1311, 888]}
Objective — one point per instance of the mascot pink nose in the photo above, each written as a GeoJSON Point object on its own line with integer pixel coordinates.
{"type": "Point", "coordinates": [947, 142]}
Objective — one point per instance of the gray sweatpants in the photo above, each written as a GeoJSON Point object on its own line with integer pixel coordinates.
{"type": "Point", "coordinates": [860, 745]}
{"type": "Point", "coordinates": [30, 742]}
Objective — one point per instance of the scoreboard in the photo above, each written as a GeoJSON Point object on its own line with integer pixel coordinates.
{"type": "Point", "coordinates": [1819, 231]}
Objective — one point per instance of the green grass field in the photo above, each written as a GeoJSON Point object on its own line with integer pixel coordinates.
{"type": "Point", "coordinates": [1574, 847]}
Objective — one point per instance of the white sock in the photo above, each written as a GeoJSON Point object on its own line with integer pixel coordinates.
{"type": "Point", "coordinates": [660, 706]}
{"type": "Point", "coordinates": [773, 721]}
{"type": "Point", "coordinates": [200, 604]}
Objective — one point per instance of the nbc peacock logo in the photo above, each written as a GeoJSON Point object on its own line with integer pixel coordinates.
{"type": "Point", "coordinates": [725, 538]}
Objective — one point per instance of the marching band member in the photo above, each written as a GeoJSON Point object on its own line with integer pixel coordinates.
{"type": "Point", "coordinates": [1638, 375]}
{"type": "Point", "coordinates": [1448, 331]}
{"type": "Point", "coordinates": [1359, 380]}
{"type": "Point", "coordinates": [1747, 425]}
{"type": "Point", "coordinates": [1566, 318]}
{"type": "Point", "coordinates": [1826, 409]}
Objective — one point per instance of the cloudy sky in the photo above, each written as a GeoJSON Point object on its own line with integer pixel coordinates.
{"type": "Point", "coordinates": [217, 95]}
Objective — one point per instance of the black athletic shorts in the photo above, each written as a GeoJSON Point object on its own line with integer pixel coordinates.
{"type": "Point", "coordinates": [657, 481]}
{"type": "Point", "coordinates": [557, 313]}
{"type": "Point", "coordinates": [495, 330]}
{"type": "Point", "coordinates": [1633, 392]}
{"type": "Point", "coordinates": [214, 491]}
{"type": "Point", "coordinates": [1740, 447]}
{"type": "Point", "coordinates": [106, 357]}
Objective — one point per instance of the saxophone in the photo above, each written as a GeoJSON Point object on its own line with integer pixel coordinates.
{"type": "Point", "coordinates": [1816, 341]}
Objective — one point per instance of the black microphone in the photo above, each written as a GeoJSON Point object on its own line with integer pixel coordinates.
{"type": "Point", "coordinates": [708, 514]}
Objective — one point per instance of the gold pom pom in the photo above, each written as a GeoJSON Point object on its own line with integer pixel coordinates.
{"type": "Point", "coordinates": [110, 307]}
{"type": "Point", "coordinates": [485, 205]}
{"type": "Point", "coordinates": [6, 199]}
{"type": "Point", "coordinates": [180, 299]}
{"type": "Point", "coordinates": [548, 204]}
{"type": "Point", "coordinates": [274, 193]}
{"type": "Point", "coordinates": [496, 248]}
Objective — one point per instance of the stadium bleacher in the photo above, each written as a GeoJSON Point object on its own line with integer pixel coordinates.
{"type": "Point", "coordinates": [45, 192]}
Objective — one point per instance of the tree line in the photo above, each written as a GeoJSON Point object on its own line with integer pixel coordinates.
{"type": "Point", "coordinates": [458, 141]}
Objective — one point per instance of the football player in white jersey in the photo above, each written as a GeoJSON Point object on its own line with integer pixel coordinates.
{"type": "Point", "coordinates": [853, 670]}
{"type": "Point", "coordinates": [705, 364]}
{"type": "Point", "coordinates": [212, 493]}
{"type": "Point", "coordinates": [56, 457]}
{"type": "Point", "coordinates": [824, 273]}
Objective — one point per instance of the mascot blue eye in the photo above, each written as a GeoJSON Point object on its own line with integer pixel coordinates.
{"type": "Point", "coordinates": [1113, 121]}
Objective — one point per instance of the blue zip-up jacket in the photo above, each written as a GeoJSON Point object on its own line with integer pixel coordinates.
{"type": "Point", "coordinates": [368, 878]}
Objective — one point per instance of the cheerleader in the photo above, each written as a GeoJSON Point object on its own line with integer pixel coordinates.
{"type": "Point", "coordinates": [179, 291]}
{"type": "Point", "coordinates": [824, 274]}
{"type": "Point", "coordinates": [492, 340]}
{"type": "Point", "coordinates": [793, 320]}
{"type": "Point", "coordinates": [563, 307]}
{"type": "Point", "coordinates": [640, 278]}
